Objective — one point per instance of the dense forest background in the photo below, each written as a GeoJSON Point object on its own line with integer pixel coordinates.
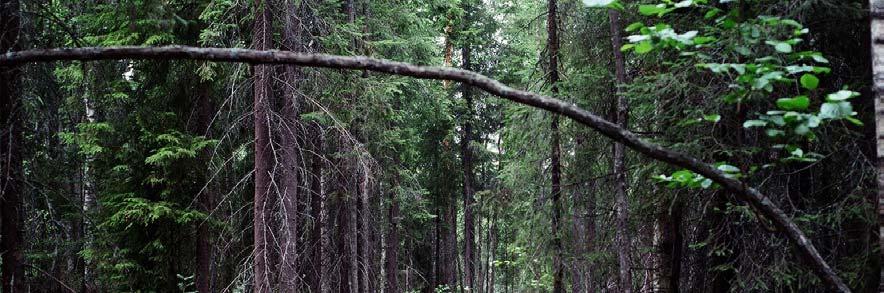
{"type": "Point", "coordinates": [186, 175]}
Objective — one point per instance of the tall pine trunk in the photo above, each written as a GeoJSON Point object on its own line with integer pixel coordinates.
{"type": "Point", "coordinates": [262, 264]}
{"type": "Point", "coordinates": [469, 256]}
{"type": "Point", "coordinates": [392, 249]}
{"type": "Point", "coordinates": [555, 154]}
{"type": "Point", "coordinates": [10, 154]}
{"type": "Point", "coordinates": [290, 131]}
{"type": "Point", "coordinates": [391, 253]}
{"type": "Point", "coordinates": [206, 201]}
{"type": "Point", "coordinates": [620, 194]}
{"type": "Point", "coordinates": [315, 270]}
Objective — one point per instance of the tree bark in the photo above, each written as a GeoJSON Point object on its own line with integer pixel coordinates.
{"type": "Point", "coordinates": [89, 201]}
{"type": "Point", "coordinates": [392, 249]}
{"type": "Point", "coordinates": [261, 40]}
{"type": "Point", "coordinates": [742, 191]}
{"type": "Point", "coordinates": [290, 131]}
{"type": "Point", "coordinates": [316, 268]}
{"type": "Point", "coordinates": [10, 154]}
{"type": "Point", "coordinates": [620, 194]}
{"type": "Point", "coordinates": [877, 12]}
{"type": "Point", "coordinates": [469, 256]}
{"type": "Point", "coordinates": [552, 29]}
{"type": "Point", "coordinates": [206, 201]}
{"type": "Point", "coordinates": [670, 240]}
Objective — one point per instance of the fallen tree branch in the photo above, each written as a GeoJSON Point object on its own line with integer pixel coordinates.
{"type": "Point", "coordinates": [743, 192]}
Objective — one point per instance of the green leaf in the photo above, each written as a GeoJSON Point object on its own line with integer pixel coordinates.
{"type": "Point", "coordinates": [703, 40]}
{"type": "Point", "coordinates": [775, 132]}
{"type": "Point", "coordinates": [627, 47]}
{"type": "Point", "coordinates": [754, 123]}
{"type": "Point", "coordinates": [634, 26]}
{"type": "Point", "coordinates": [841, 95]}
{"type": "Point", "coordinates": [781, 47]}
{"type": "Point", "coordinates": [794, 104]}
{"type": "Point", "coordinates": [792, 23]}
{"type": "Point", "coordinates": [706, 183]}
{"type": "Point", "coordinates": [728, 168]}
{"type": "Point", "coordinates": [648, 10]}
{"type": "Point", "coordinates": [712, 13]}
{"type": "Point", "coordinates": [644, 47]}
{"type": "Point", "coordinates": [836, 110]}
{"type": "Point", "coordinates": [714, 118]}
{"type": "Point", "coordinates": [854, 121]}
{"type": "Point", "coordinates": [819, 58]}
{"type": "Point", "coordinates": [810, 81]}
{"type": "Point", "coordinates": [598, 3]}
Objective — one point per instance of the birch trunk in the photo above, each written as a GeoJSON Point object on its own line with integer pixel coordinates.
{"type": "Point", "coordinates": [877, 13]}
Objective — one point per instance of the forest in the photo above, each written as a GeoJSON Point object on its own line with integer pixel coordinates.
{"type": "Point", "coordinates": [441, 146]}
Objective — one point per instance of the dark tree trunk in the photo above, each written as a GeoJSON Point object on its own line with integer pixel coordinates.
{"type": "Point", "coordinates": [555, 154]}
{"type": "Point", "coordinates": [392, 249]}
{"type": "Point", "coordinates": [621, 204]}
{"type": "Point", "coordinates": [10, 154]}
{"type": "Point", "coordinates": [291, 152]}
{"type": "Point", "coordinates": [315, 268]}
{"type": "Point", "coordinates": [262, 264]}
{"type": "Point", "coordinates": [469, 256]}
{"type": "Point", "coordinates": [670, 248]}
{"type": "Point", "coordinates": [204, 108]}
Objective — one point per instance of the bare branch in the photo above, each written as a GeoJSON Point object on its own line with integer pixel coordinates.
{"type": "Point", "coordinates": [743, 192]}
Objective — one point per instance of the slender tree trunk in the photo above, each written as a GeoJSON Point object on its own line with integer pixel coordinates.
{"type": "Point", "coordinates": [555, 155]}
{"type": "Point", "coordinates": [89, 200]}
{"type": "Point", "coordinates": [449, 259]}
{"type": "Point", "coordinates": [877, 12]}
{"type": "Point", "coordinates": [10, 154]}
{"type": "Point", "coordinates": [315, 268]}
{"type": "Point", "coordinates": [291, 151]}
{"type": "Point", "coordinates": [435, 276]}
{"type": "Point", "coordinates": [204, 109]}
{"type": "Point", "coordinates": [343, 258]}
{"type": "Point", "coordinates": [621, 204]}
{"type": "Point", "coordinates": [469, 256]}
{"type": "Point", "coordinates": [392, 240]}
{"type": "Point", "coordinates": [583, 240]}
{"type": "Point", "coordinates": [261, 40]}
{"type": "Point", "coordinates": [392, 249]}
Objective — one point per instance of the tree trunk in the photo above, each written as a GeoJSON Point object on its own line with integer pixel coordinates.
{"type": "Point", "coordinates": [621, 204]}
{"type": "Point", "coordinates": [315, 268]}
{"type": "Point", "coordinates": [206, 202]}
{"type": "Point", "coordinates": [10, 155]}
{"type": "Point", "coordinates": [291, 152]}
{"type": "Point", "coordinates": [877, 12]}
{"type": "Point", "coordinates": [469, 257]}
{"type": "Point", "coordinates": [262, 264]}
{"type": "Point", "coordinates": [392, 249]}
{"type": "Point", "coordinates": [89, 200]}
{"type": "Point", "coordinates": [555, 154]}
{"type": "Point", "coordinates": [391, 254]}
{"type": "Point", "coordinates": [669, 240]}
